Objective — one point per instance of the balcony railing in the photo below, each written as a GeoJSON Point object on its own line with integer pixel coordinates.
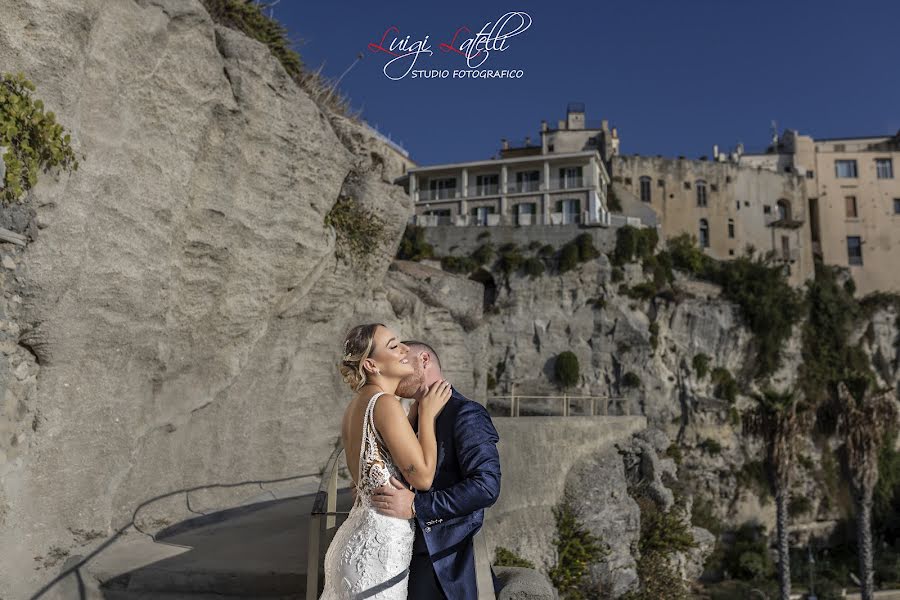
{"type": "Point", "coordinates": [565, 218]}
{"type": "Point", "coordinates": [566, 183]}
{"type": "Point", "coordinates": [523, 187]}
{"type": "Point", "coordinates": [476, 191]}
{"type": "Point", "coordinates": [444, 194]}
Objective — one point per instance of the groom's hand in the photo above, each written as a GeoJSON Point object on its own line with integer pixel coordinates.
{"type": "Point", "coordinates": [394, 500]}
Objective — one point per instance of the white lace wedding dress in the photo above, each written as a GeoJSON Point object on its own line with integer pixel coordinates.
{"type": "Point", "coordinates": [370, 554]}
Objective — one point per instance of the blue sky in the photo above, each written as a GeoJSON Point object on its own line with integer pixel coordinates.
{"type": "Point", "coordinates": [674, 77]}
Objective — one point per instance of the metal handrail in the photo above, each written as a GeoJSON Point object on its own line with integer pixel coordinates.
{"type": "Point", "coordinates": [515, 403]}
{"type": "Point", "coordinates": [324, 506]}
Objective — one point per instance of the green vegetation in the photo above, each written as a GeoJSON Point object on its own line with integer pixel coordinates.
{"type": "Point", "coordinates": [579, 250]}
{"type": "Point", "coordinates": [359, 231]}
{"type": "Point", "coordinates": [769, 306]}
{"type": "Point", "coordinates": [827, 355]}
{"type": "Point", "coordinates": [663, 535]}
{"type": "Point", "coordinates": [711, 446]}
{"type": "Point", "coordinates": [576, 549]}
{"type": "Point", "coordinates": [33, 139]}
{"type": "Point", "coordinates": [484, 235]}
{"type": "Point", "coordinates": [533, 267]}
{"type": "Point", "coordinates": [510, 259]}
{"type": "Point", "coordinates": [724, 385]}
{"type": "Point", "coordinates": [654, 334]}
{"type": "Point", "coordinates": [458, 264]}
{"type": "Point", "coordinates": [752, 476]}
{"type": "Point", "coordinates": [612, 200]}
{"type": "Point", "coordinates": [799, 505]}
{"type": "Point", "coordinates": [566, 369]}
{"type": "Point", "coordinates": [483, 254]}
{"type": "Point", "coordinates": [507, 558]}
{"type": "Point", "coordinates": [631, 380]}
{"type": "Point", "coordinates": [633, 243]}
{"type": "Point", "coordinates": [413, 245]}
{"type": "Point", "coordinates": [701, 365]}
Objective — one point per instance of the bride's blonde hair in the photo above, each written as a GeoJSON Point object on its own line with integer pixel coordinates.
{"type": "Point", "coordinates": [358, 346]}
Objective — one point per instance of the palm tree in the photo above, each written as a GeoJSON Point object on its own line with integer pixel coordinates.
{"type": "Point", "coordinates": [779, 418]}
{"type": "Point", "coordinates": [864, 424]}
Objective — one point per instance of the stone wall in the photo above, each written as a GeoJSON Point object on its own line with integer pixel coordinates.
{"type": "Point", "coordinates": [450, 239]}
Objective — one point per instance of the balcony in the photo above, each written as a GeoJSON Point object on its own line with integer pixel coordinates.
{"type": "Point", "coordinates": [480, 191]}
{"type": "Point", "coordinates": [567, 183]}
{"type": "Point", "coordinates": [523, 187]}
{"type": "Point", "coordinates": [433, 195]}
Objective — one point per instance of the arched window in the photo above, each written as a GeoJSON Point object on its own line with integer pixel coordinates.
{"type": "Point", "coordinates": [704, 233]}
{"type": "Point", "coordinates": [784, 210]}
{"type": "Point", "coordinates": [731, 228]}
{"type": "Point", "coordinates": [701, 192]}
{"type": "Point", "coordinates": [645, 189]}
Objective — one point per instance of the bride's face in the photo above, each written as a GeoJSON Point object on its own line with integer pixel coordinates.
{"type": "Point", "coordinates": [390, 357]}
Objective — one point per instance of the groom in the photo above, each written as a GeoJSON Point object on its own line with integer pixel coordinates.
{"type": "Point", "coordinates": [466, 481]}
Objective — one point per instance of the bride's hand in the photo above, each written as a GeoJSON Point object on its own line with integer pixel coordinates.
{"type": "Point", "coordinates": [435, 399]}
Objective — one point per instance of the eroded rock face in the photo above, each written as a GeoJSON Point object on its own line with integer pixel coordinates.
{"type": "Point", "coordinates": [599, 487]}
{"type": "Point", "coordinates": [182, 307]}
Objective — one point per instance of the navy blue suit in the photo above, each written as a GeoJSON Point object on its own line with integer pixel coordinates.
{"type": "Point", "coordinates": [466, 481]}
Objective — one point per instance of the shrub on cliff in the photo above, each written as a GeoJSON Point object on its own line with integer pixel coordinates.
{"type": "Point", "coordinates": [566, 369]}
{"type": "Point", "coordinates": [34, 141]}
{"type": "Point", "coordinates": [633, 243]}
{"type": "Point", "coordinates": [504, 557]}
{"type": "Point", "coordinates": [576, 550]}
{"type": "Point", "coordinates": [413, 245]}
{"type": "Point", "coordinates": [358, 231]}
{"type": "Point", "coordinates": [458, 264]}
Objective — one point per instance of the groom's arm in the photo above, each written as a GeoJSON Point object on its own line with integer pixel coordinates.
{"type": "Point", "coordinates": [476, 452]}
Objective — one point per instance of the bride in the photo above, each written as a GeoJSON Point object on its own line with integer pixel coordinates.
{"type": "Point", "coordinates": [370, 554]}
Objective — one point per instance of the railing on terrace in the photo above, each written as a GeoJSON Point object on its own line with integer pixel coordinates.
{"type": "Point", "coordinates": [476, 191]}
{"type": "Point", "coordinates": [567, 183]}
{"type": "Point", "coordinates": [323, 523]}
{"type": "Point", "coordinates": [444, 194]}
{"type": "Point", "coordinates": [523, 187]}
{"type": "Point", "coordinates": [560, 406]}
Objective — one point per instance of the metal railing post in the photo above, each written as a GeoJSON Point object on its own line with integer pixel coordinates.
{"type": "Point", "coordinates": [312, 558]}
{"type": "Point", "coordinates": [332, 500]}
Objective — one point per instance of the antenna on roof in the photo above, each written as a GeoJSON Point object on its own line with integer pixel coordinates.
{"type": "Point", "coordinates": [774, 131]}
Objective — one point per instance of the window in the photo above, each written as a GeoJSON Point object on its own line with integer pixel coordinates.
{"type": "Point", "coordinates": [525, 213]}
{"type": "Point", "coordinates": [810, 174]}
{"type": "Point", "coordinates": [549, 147]}
{"type": "Point", "coordinates": [487, 184]}
{"type": "Point", "coordinates": [660, 183]}
{"type": "Point", "coordinates": [628, 181]}
{"type": "Point", "coordinates": [845, 169]}
{"type": "Point", "coordinates": [785, 248]}
{"type": "Point", "coordinates": [784, 210]}
{"type": "Point", "coordinates": [570, 177]}
{"type": "Point", "coordinates": [701, 192]}
{"type": "Point", "coordinates": [528, 181]}
{"type": "Point", "coordinates": [731, 228]}
{"type": "Point", "coordinates": [570, 209]}
{"type": "Point", "coordinates": [480, 214]}
{"type": "Point", "coordinates": [645, 189]}
{"type": "Point", "coordinates": [850, 207]}
{"type": "Point", "coordinates": [704, 233]}
{"type": "Point", "coordinates": [442, 189]}
{"type": "Point", "coordinates": [731, 252]}
{"type": "Point", "coordinates": [839, 147]}
{"type": "Point", "coordinates": [767, 210]}
{"type": "Point", "coordinates": [897, 206]}
{"type": "Point", "coordinates": [854, 250]}
{"type": "Point", "coordinates": [687, 185]}
{"type": "Point", "coordinates": [884, 168]}
{"type": "Point", "coordinates": [738, 204]}
{"type": "Point", "coordinates": [714, 187]}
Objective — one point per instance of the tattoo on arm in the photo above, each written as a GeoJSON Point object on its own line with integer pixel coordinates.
{"type": "Point", "coordinates": [410, 470]}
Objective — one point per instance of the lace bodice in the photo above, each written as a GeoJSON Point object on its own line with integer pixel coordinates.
{"type": "Point", "coordinates": [370, 554]}
{"type": "Point", "coordinates": [376, 465]}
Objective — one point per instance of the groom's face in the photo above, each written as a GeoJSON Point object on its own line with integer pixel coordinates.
{"type": "Point", "coordinates": [411, 385]}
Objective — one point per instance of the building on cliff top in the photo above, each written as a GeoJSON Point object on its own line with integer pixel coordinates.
{"type": "Point", "coordinates": [853, 200]}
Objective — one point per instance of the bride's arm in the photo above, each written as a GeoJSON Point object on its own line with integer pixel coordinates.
{"type": "Point", "coordinates": [415, 457]}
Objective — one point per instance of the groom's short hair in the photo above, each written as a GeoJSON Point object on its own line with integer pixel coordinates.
{"type": "Point", "coordinates": [434, 355]}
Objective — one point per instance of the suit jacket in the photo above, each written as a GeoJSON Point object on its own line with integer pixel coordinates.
{"type": "Point", "coordinates": [466, 481]}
